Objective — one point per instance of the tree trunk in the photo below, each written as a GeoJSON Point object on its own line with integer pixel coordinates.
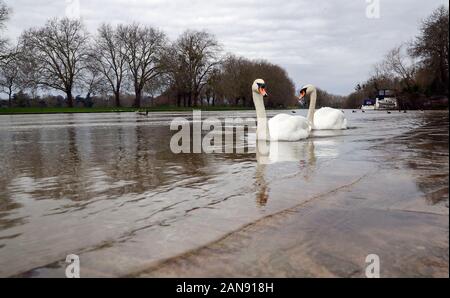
{"type": "Point", "coordinates": [190, 99]}
{"type": "Point", "coordinates": [69, 98]}
{"type": "Point", "coordinates": [197, 99]}
{"type": "Point", "coordinates": [443, 75]}
{"type": "Point", "coordinates": [117, 98]}
{"type": "Point", "coordinates": [178, 99]}
{"type": "Point", "coordinates": [137, 100]}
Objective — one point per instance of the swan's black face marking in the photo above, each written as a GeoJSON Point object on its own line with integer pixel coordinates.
{"type": "Point", "coordinates": [262, 89]}
{"type": "Point", "coordinates": [261, 85]}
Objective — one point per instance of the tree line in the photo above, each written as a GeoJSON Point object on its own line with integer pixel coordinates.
{"type": "Point", "coordinates": [416, 70]}
{"type": "Point", "coordinates": [131, 60]}
{"type": "Point", "coordinates": [132, 63]}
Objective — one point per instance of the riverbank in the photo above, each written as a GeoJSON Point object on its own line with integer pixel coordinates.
{"type": "Point", "coordinates": [66, 110]}
{"type": "Point", "coordinates": [81, 110]}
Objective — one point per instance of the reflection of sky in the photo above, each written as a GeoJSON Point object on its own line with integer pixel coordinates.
{"type": "Point", "coordinates": [273, 152]}
{"type": "Point", "coordinates": [326, 148]}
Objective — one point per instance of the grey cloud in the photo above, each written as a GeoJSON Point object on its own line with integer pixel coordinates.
{"type": "Point", "coordinates": [329, 43]}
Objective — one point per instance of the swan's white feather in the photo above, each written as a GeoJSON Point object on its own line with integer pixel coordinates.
{"type": "Point", "coordinates": [284, 127]}
{"type": "Point", "coordinates": [329, 118]}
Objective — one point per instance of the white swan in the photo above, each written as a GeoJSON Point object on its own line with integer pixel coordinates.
{"type": "Point", "coordinates": [324, 118]}
{"type": "Point", "coordinates": [282, 127]}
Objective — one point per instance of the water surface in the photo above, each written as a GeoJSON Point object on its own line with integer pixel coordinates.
{"type": "Point", "coordinates": [108, 188]}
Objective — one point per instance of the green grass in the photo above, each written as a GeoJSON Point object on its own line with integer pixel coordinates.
{"type": "Point", "coordinates": [9, 111]}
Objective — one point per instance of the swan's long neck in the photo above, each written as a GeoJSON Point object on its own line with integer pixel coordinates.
{"type": "Point", "coordinates": [262, 129]}
{"type": "Point", "coordinates": [312, 106]}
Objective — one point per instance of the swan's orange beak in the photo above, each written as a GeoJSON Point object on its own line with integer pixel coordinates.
{"type": "Point", "coordinates": [302, 94]}
{"type": "Point", "coordinates": [263, 92]}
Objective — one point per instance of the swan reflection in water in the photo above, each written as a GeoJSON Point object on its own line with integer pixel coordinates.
{"type": "Point", "coordinates": [270, 153]}
{"type": "Point", "coordinates": [275, 152]}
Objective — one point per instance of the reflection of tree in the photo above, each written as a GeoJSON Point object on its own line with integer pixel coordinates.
{"type": "Point", "coordinates": [262, 194]}
{"type": "Point", "coordinates": [74, 178]}
{"type": "Point", "coordinates": [42, 164]}
{"type": "Point", "coordinates": [142, 155]}
{"type": "Point", "coordinates": [427, 155]}
{"type": "Point", "coordinates": [72, 148]}
{"type": "Point", "coordinates": [308, 164]}
{"type": "Point", "coordinates": [152, 162]}
{"type": "Point", "coordinates": [429, 147]}
{"type": "Point", "coordinates": [81, 163]}
{"type": "Point", "coordinates": [267, 153]}
{"type": "Point", "coordinates": [6, 206]}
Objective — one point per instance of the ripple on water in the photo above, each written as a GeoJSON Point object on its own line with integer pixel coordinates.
{"type": "Point", "coordinates": [107, 185]}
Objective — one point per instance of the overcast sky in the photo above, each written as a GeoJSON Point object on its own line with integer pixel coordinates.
{"type": "Point", "coordinates": [331, 44]}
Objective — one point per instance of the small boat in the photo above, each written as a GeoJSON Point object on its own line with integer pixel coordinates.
{"type": "Point", "coordinates": [368, 104]}
{"type": "Point", "coordinates": [386, 100]}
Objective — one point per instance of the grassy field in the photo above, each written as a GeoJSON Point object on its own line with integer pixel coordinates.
{"type": "Point", "coordinates": [9, 111]}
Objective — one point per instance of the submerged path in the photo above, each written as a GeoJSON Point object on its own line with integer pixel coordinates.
{"type": "Point", "coordinates": [327, 237]}
{"type": "Point", "coordinates": [331, 235]}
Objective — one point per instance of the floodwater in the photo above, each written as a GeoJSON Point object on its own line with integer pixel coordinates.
{"type": "Point", "coordinates": [107, 188]}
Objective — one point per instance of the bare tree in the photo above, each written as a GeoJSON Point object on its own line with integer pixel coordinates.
{"type": "Point", "coordinates": [4, 13]}
{"type": "Point", "coordinates": [60, 50]}
{"type": "Point", "coordinates": [282, 89]}
{"type": "Point", "coordinates": [214, 88]}
{"type": "Point", "coordinates": [10, 74]}
{"type": "Point", "coordinates": [4, 16]}
{"type": "Point", "coordinates": [110, 57]}
{"type": "Point", "coordinates": [238, 73]}
{"type": "Point", "coordinates": [156, 86]}
{"type": "Point", "coordinates": [144, 46]}
{"type": "Point", "coordinates": [396, 64]}
{"type": "Point", "coordinates": [431, 46]}
{"type": "Point", "coordinates": [28, 72]}
{"type": "Point", "coordinates": [198, 53]}
{"type": "Point", "coordinates": [175, 74]}
{"type": "Point", "coordinates": [93, 78]}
